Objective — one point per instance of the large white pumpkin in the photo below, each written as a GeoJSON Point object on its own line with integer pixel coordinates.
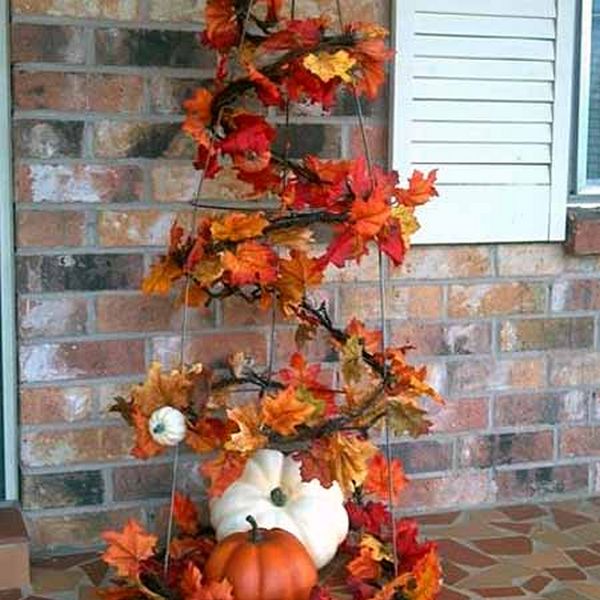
{"type": "Point", "coordinates": [272, 491]}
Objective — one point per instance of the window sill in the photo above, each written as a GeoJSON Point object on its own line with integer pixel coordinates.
{"type": "Point", "coordinates": [583, 231]}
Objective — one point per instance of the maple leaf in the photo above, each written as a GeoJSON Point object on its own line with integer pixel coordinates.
{"type": "Point", "coordinates": [185, 514]}
{"type": "Point", "coordinates": [328, 66]}
{"type": "Point", "coordinates": [313, 464]}
{"type": "Point", "coordinates": [371, 338]}
{"type": "Point", "coordinates": [351, 360]}
{"type": "Point", "coordinates": [198, 114]}
{"type": "Point", "coordinates": [378, 478]}
{"type": "Point", "coordinates": [197, 549]}
{"type": "Point", "coordinates": [237, 226]}
{"type": "Point", "coordinates": [284, 412]}
{"type": "Point", "coordinates": [420, 189]}
{"type": "Point", "coordinates": [364, 566]}
{"type": "Point", "coordinates": [407, 418]}
{"type": "Point", "coordinates": [145, 446]}
{"type": "Point", "coordinates": [249, 436]}
{"type": "Point", "coordinates": [267, 92]}
{"type": "Point", "coordinates": [126, 549]}
{"type": "Point", "coordinates": [427, 574]}
{"type": "Point", "coordinates": [297, 34]}
{"type": "Point", "coordinates": [222, 471]}
{"type": "Point", "coordinates": [294, 238]}
{"type": "Point", "coordinates": [163, 274]}
{"type": "Point", "coordinates": [371, 517]}
{"type": "Point", "coordinates": [191, 581]}
{"type": "Point", "coordinates": [251, 263]}
{"type": "Point", "coordinates": [222, 28]}
{"type": "Point", "coordinates": [207, 434]}
{"type": "Point", "coordinates": [296, 275]}
{"type": "Point", "coordinates": [348, 456]}
{"type": "Point", "coordinates": [379, 551]}
{"type": "Point", "coordinates": [368, 216]}
{"type": "Point", "coordinates": [208, 271]}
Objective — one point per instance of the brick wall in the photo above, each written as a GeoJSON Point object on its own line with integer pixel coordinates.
{"type": "Point", "coordinates": [510, 332]}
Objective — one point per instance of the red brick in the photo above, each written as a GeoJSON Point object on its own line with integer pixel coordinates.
{"type": "Point", "coordinates": [377, 136]}
{"type": "Point", "coordinates": [493, 450]}
{"type": "Point", "coordinates": [491, 299]}
{"type": "Point", "coordinates": [177, 11]}
{"type": "Point", "coordinates": [128, 312]}
{"type": "Point", "coordinates": [212, 349]}
{"type": "Point", "coordinates": [580, 441]}
{"type": "Point", "coordinates": [536, 409]}
{"type": "Point", "coordinates": [575, 369]}
{"type": "Point", "coordinates": [546, 334]}
{"type": "Point", "coordinates": [239, 313]}
{"type": "Point", "coordinates": [78, 183]}
{"type": "Point", "coordinates": [54, 404]}
{"type": "Point", "coordinates": [583, 231]}
{"type": "Point", "coordinates": [576, 294]}
{"type": "Point", "coordinates": [50, 229]}
{"type": "Point", "coordinates": [54, 448]}
{"type": "Point", "coordinates": [104, 9]}
{"type": "Point", "coordinates": [317, 350]}
{"type": "Point", "coordinates": [531, 259]}
{"type": "Point", "coordinates": [541, 481]}
{"type": "Point", "coordinates": [445, 262]}
{"type": "Point", "coordinates": [47, 43]}
{"type": "Point", "coordinates": [424, 455]}
{"type": "Point", "coordinates": [50, 362]}
{"type": "Point", "coordinates": [78, 91]}
{"type": "Point", "coordinates": [45, 317]}
{"type": "Point", "coordinates": [45, 139]}
{"type": "Point", "coordinates": [106, 397]}
{"type": "Point", "coordinates": [460, 415]}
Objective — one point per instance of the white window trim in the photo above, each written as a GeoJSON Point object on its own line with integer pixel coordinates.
{"type": "Point", "coordinates": [7, 290]}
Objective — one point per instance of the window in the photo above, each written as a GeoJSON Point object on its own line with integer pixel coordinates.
{"type": "Point", "coordinates": [483, 90]}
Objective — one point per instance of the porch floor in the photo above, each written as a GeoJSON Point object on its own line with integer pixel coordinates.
{"type": "Point", "coordinates": [532, 551]}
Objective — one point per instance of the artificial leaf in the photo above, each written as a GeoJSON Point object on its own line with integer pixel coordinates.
{"type": "Point", "coordinates": [296, 275]}
{"type": "Point", "coordinates": [222, 27]}
{"type": "Point", "coordinates": [427, 575]}
{"type": "Point", "coordinates": [371, 517]}
{"type": "Point", "coordinates": [294, 238]}
{"type": "Point", "coordinates": [222, 471]}
{"type": "Point", "coordinates": [348, 456]}
{"type": "Point", "coordinates": [320, 593]}
{"type": "Point", "coordinates": [126, 549]}
{"type": "Point", "coordinates": [378, 479]}
{"type": "Point", "coordinates": [216, 590]}
{"type": "Point", "coordinates": [185, 514]}
{"type": "Point", "coordinates": [191, 581]}
{"type": "Point", "coordinates": [327, 66]}
{"type": "Point", "coordinates": [370, 338]}
{"type": "Point", "coordinates": [237, 226]}
{"type": "Point", "coordinates": [284, 412]}
{"type": "Point", "coordinates": [378, 550]}
{"type": "Point", "coordinates": [208, 271]}
{"type": "Point", "coordinates": [248, 436]}
{"type": "Point", "coordinates": [407, 418]}
{"type": "Point", "coordinates": [267, 92]}
{"type": "Point", "coordinates": [198, 114]}
{"type": "Point", "coordinates": [364, 566]}
{"type": "Point", "coordinates": [296, 34]}
{"type": "Point", "coordinates": [162, 276]}
{"type": "Point", "coordinates": [124, 407]}
{"type": "Point", "coordinates": [351, 360]}
{"type": "Point", "coordinates": [420, 189]}
{"type": "Point", "coordinates": [368, 216]}
{"type": "Point", "coordinates": [314, 463]}
{"type": "Point", "coordinates": [145, 446]}
{"type": "Point", "coordinates": [207, 434]}
{"type": "Point", "coordinates": [196, 549]}
{"type": "Point", "coordinates": [251, 263]}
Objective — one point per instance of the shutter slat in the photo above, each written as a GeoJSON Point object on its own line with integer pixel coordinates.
{"type": "Point", "coordinates": [517, 8]}
{"type": "Point", "coordinates": [482, 132]}
{"type": "Point", "coordinates": [490, 174]}
{"type": "Point", "coordinates": [483, 69]}
{"type": "Point", "coordinates": [440, 89]}
{"type": "Point", "coordinates": [515, 112]}
{"type": "Point", "coordinates": [439, 153]}
{"type": "Point", "coordinates": [466, 25]}
{"type": "Point", "coordinates": [427, 45]}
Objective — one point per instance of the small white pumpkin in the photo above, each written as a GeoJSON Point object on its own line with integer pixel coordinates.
{"type": "Point", "coordinates": [167, 426]}
{"type": "Point", "coordinates": [272, 491]}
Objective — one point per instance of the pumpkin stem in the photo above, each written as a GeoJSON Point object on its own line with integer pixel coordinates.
{"type": "Point", "coordinates": [278, 498]}
{"type": "Point", "coordinates": [255, 536]}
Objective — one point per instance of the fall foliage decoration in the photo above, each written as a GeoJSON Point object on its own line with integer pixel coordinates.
{"type": "Point", "coordinates": [309, 429]}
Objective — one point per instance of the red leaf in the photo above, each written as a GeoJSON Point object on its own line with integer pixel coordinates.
{"type": "Point", "coordinates": [185, 514]}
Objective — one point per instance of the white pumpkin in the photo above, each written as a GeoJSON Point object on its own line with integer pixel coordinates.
{"type": "Point", "coordinates": [272, 491]}
{"type": "Point", "coordinates": [167, 426]}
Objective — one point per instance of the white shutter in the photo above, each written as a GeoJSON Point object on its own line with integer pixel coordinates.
{"type": "Point", "coordinates": [482, 91]}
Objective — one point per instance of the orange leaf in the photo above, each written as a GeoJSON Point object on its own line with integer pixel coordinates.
{"type": "Point", "coordinates": [238, 226]}
{"type": "Point", "coordinates": [369, 215]}
{"type": "Point", "coordinates": [364, 566]}
{"type": "Point", "coordinates": [128, 548]}
{"type": "Point", "coordinates": [191, 581]}
{"type": "Point", "coordinates": [420, 189]}
{"type": "Point", "coordinates": [249, 437]}
{"type": "Point", "coordinates": [120, 593]}
{"type": "Point", "coordinates": [284, 412]}
{"type": "Point", "coordinates": [370, 338]}
{"type": "Point", "coordinates": [162, 276]}
{"type": "Point", "coordinates": [185, 514]}
{"type": "Point", "coordinates": [145, 446]}
{"type": "Point", "coordinates": [296, 275]}
{"type": "Point", "coordinates": [222, 471]}
{"type": "Point", "coordinates": [377, 481]}
{"type": "Point", "coordinates": [207, 434]}
{"type": "Point", "coordinates": [198, 115]}
{"type": "Point", "coordinates": [251, 263]}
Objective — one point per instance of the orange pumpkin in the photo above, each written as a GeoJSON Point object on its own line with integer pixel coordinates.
{"type": "Point", "coordinates": [263, 564]}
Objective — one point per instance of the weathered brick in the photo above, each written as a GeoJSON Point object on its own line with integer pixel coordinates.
{"type": "Point", "coordinates": [491, 299]}
{"type": "Point", "coordinates": [212, 349]}
{"type": "Point", "coordinates": [51, 317]}
{"type": "Point", "coordinates": [476, 376]}
{"type": "Point", "coordinates": [505, 449]}
{"type": "Point", "coordinates": [78, 91]}
{"type": "Point", "coordinates": [151, 48]}
{"type": "Point", "coordinates": [440, 339]}
{"type": "Point", "coordinates": [78, 183]}
{"type": "Point", "coordinates": [366, 270]}
{"type": "Point", "coordinates": [104, 9]}
{"type": "Point", "coordinates": [377, 136]}
{"type": "Point", "coordinates": [118, 313]}
{"type": "Point", "coordinates": [580, 441]}
{"type": "Point", "coordinates": [117, 139]}
{"type": "Point", "coordinates": [576, 294]}
{"type": "Point", "coordinates": [460, 415]}
{"type": "Point", "coordinates": [54, 404]}
{"type": "Point", "coordinates": [575, 369]}
{"type": "Point", "coordinates": [54, 448]}
{"type": "Point", "coordinates": [322, 140]}
{"type": "Point", "coordinates": [79, 272]}
{"type": "Point", "coordinates": [50, 229]}
{"type": "Point", "coordinates": [445, 262]}
{"type": "Point", "coordinates": [546, 334]}
{"type": "Point", "coordinates": [583, 226]}
{"type": "Point", "coordinates": [531, 259]}
{"type": "Point", "coordinates": [52, 362]}
{"type": "Point", "coordinates": [167, 94]}
{"type": "Point", "coordinates": [512, 410]}
{"type": "Point", "coordinates": [48, 139]}
{"type": "Point", "coordinates": [540, 482]}
{"type": "Point", "coordinates": [59, 490]}
{"type": "Point", "coordinates": [106, 397]}
{"type": "Point", "coordinates": [238, 313]}
{"type": "Point", "coordinates": [177, 10]}
{"type": "Point", "coordinates": [64, 532]}
{"type": "Point", "coordinates": [424, 456]}
{"type": "Point", "coordinates": [421, 302]}
{"type": "Point", "coordinates": [47, 43]}
{"type": "Point", "coordinates": [466, 488]}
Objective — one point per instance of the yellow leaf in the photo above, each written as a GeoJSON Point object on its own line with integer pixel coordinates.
{"type": "Point", "coordinates": [284, 412]}
{"type": "Point", "coordinates": [349, 456]}
{"type": "Point", "coordinates": [238, 226]}
{"type": "Point", "coordinates": [378, 551]}
{"type": "Point", "coordinates": [249, 437]}
{"type": "Point", "coordinates": [328, 66]}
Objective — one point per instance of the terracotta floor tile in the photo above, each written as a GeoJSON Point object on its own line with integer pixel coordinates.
{"type": "Point", "coordinates": [567, 573]}
{"type": "Point", "coordinates": [537, 584]}
{"type": "Point", "coordinates": [587, 588]}
{"type": "Point", "coordinates": [452, 573]}
{"type": "Point", "coordinates": [461, 554]}
{"type": "Point", "coordinates": [14, 594]}
{"type": "Point", "coordinates": [441, 519]}
{"type": "Point", "coordinates": [499, 575]}
{"type": "Point", "coordinates": [500, 592]}
{"type": "Point", "coordinates": [505, 546]}
{"type": "Point", "coordinates": [552, 557]}
{"type": "Point", "coordinates": [524, 528]}
{"type": "Point", "coordinates": [586, 534]}
{"type": "Point", "coordinates": [524, 513]}
{"type": "Point", "coordinates": [569, 520]}
{"type": "Point", "coordinates": [449, 594]}
{"type": "Point", "coordinates": [564, 594]}
{"type": "Point", "coordinates": [584, 558]}
{"type": "Point", "coordinates": [595, 547]}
